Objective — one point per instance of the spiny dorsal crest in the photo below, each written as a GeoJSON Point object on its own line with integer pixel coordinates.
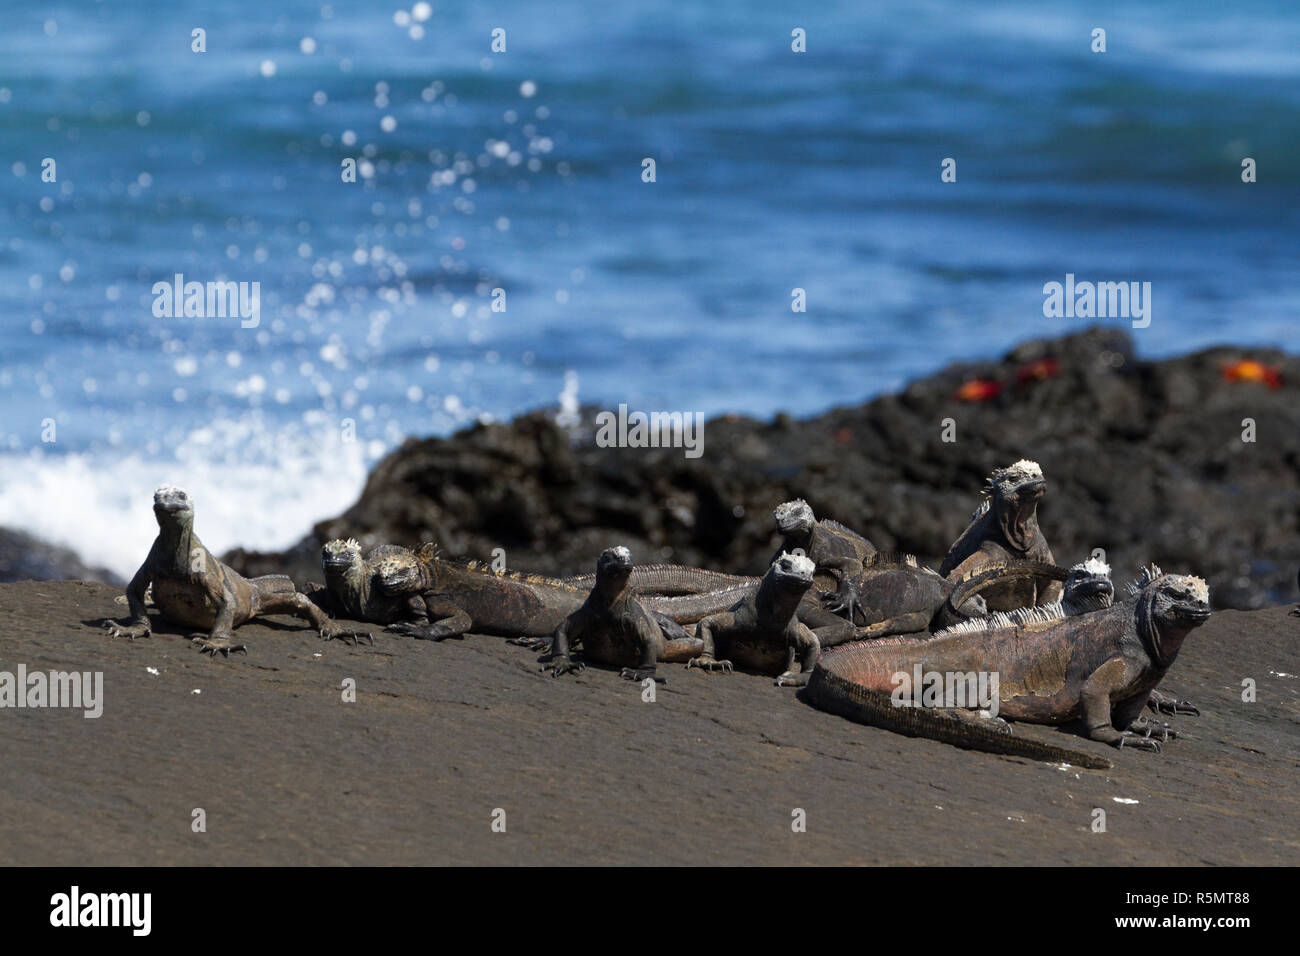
{"type": "Point", "coordinates": [999, 619]}
{"type": "Point", "coordinates": [893, 559]}
{"type": "Point", "coordinates": [527, 577]}
{"type": "Point", "coordinates": [1145, 577]}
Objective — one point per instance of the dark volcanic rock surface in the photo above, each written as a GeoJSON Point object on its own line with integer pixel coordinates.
{"type": "Point", "coordinates": [24, 557]}
{"type": "Point", "coordinates": [1144, 459]}
{"type": "Point", "coordinates": [441, 736]}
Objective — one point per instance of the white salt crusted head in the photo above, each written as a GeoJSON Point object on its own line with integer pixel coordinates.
{"type": "Point", "coordinates": [796, 564]}
{"type": "Point", "coordinates": [1013, 476]}
{"type": "Point", "coordinates": [1095, 567]}
{"type": "Point", "coordinates": [338, 545]}
{"type": "Point", "coordinates": [793, 515]}
{"type": "Point", "coordinates": [1200, 590]}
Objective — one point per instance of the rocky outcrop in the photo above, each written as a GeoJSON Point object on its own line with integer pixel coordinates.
{"type": "Point", "coordinates": [1144, 459]}
{"type": "Point", "coordinates": [24, 557]}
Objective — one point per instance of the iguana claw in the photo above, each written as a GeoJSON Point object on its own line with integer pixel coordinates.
{"type": "Point", "coordinates": [533, 643]}
{"type": "Point", "coordinates": [131, 631]}
{"type": "Point", "coordinates": [640, 674]}
{"type": "Point", "coordinates": [563, 665]}
{"type": "Point", "coordinates": [791, 679]}
{"type": "Point", "coordinates": [1128, 739]}
{"type": "Point", "coordinates": [845, 601]}
{"type": "Point", "coordinates": [348, 635]}
{"type": "Point", "coordinates": [423, 632]}
{"type": "Point", "coordinates": [1152, 728]}
{"type": "Point", "coordinates": [1168, 704]}
{"type": "Point", "coordinates": [709, 664]}
{"type": "Point", "coordinates": [212, 646]}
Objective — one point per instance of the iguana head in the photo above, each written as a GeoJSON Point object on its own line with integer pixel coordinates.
{"type": "Point", "coordinates": [792, 573]}
{"type": "Point", "coordinates": [1013, 494]}
{"type": "Point", "coordinates": [613, 568]}
{"type": "Point", "coordinates": [338, 557]}
{"type": "Point", "coordinates": [794, 518]}
{"type": "Point", "coordinates": [1088, 585]}
{"type": "Point", "coordinates": [172, 506]}
{"type": "Point", "coordinates": [398, 571]}
{"type": "Point", "coordinates": [1170, 606]}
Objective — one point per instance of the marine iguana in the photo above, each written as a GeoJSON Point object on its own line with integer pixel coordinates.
{"type": "Point", "coordinates": [762, 631]}
{"type": "Point", "coordinates": [615, 628]}
{"type": "Point", "coordinates": [834, 549]}
{"type": "Point", "coordinates": [471, 596]}
{"type": "Point", "coordinates": [349, 583]}
{"type": "Point", "coordinates": [898, 595]}
{"type": "Point", "coordinates": [193, 588]}
{"type": "Point", "coordinates": [1098, 668]}
{"type": "Point", "coordinates": [669, 579]}
{"type": "Point", "coordinates": [1005, 526]}
{"type": "Point", "coordinates": [1088, 587]}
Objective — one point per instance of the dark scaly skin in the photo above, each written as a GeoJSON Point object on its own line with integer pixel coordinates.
{"type": "Point", "coordinates": [349, 584]}
{"type": "Point", "coordinates": [838, 552]}
{"type": "Point", "coordinates": [964, 589]}
{"type": "Point", "coordinates": [1097, 669]}
{"type": "Point", "coordinates": [615, 628]}
{"type": "Point", "coordinates": [460, 598]}
{"type": "Point", "coordinates": [896, 595]}
{"type": "Point", "coordinates": [1006, 530]}
{"type": "Point", "coordinates": [763, 631]}
{"type": "Point", "coordinates": [1087, 588]}
{"type": "Point", "coordinates": [192, 588]}
{"type": "Point", "coordinates": [669, 579]}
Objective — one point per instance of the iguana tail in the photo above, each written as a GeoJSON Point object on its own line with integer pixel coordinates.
{"type": "Point", "coordinates": [668, 579]}
{"type": "Point", "coordinates": [836, 694]}
{"type": "Point", "coordinates": [690, 608]}
{"type": "Point", "coordinates": [967, 588]}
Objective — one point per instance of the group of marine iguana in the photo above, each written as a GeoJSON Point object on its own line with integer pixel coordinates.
{"type": "Point", "coordinates": [1065, 651]}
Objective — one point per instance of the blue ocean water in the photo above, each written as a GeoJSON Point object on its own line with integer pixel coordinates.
{"type": "Point", "coordinates": [522, 170]}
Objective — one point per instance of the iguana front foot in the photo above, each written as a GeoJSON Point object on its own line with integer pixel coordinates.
{"type": "Point", "coordinates": [218, 644]}
{"type": "Point", "coordinates": [845, 602]}
{"type": "Point", "coordinates": [423, 632]}
{"type": "Point", "coordinates": [131, 631]}
{"type": "Point", "coordinates": [1130, 739]}
{"type": "Point", "coordinates": [792, 679]}
{"type": "Point", "coordinates": [1295, 611]}
{"type": "Point", "coordinates": [1152, 728]}
{"type": "Point", "coordinates": [709, 664]}
{"type": "Point", "coordinates": [1169, 704]}
{"type": "Point", "coordinates": [563, 665]}
{"type": "Point", "coordinates": [641, 673]}
{"type": "Point", "coordinates": [348, 635]}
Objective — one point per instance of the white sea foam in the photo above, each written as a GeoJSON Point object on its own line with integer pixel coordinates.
{"type": "Point", "coordinates": [251, 487]}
